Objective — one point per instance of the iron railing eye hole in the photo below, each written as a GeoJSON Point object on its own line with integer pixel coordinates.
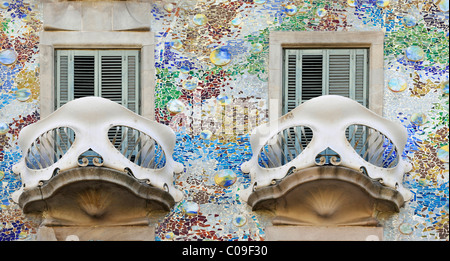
{"type": "Point", "coordinates": [137, 147]}
{"type": "Point", "coordinates": [49, 147]}
{"type": "Point", "coordinates": [373, 146]}
{"type": "Point", "coordinates": [284, 147]}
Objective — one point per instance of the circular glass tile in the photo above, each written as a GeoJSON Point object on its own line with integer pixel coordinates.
{"type": "Point", "coordinates": [442, 153]}
{"type": "Point", "coordinates": [223, 99]}
{"type": "Point", "coordinates": [445, 87]}
{"type": "Point", "coordinates": [206, 134]}
{"type": "Point", "coordinates": [225, 178]}
{"type": "Point", "coordinates": [4, 128]}
{"type": "Point", "coordinates": [220, 56]}
{"type": "Point", "coordinates": [423, 182]}
{"type": "Point", "coordinates": [291, 10]}
{"type": "Point", "coordinates": [190, 84]}
{"type": "Point", "coordinates": [190, 208]}
{"type": "Point", "coordinates": [175, 106]}
{"type": "Point", "coordinates": [239, 220]}
{"type": "Point", "coordinates": [4, 5]}
{"type": "Point", "coordinates": [236, 21]}
{"type": "Point", "coordinates": [418, 118]}
{"type": "Point", "coordinates": [8, 56]}
{"type": "Point", "coordinates": [414, 53]}
{"type": "Point", "coordinates": [169, 7]}
{"type": "Point", "coordinates": [443, 5]}
{"type": "Point", "coordinates": [185, 69]}
{"type": "Point", "coordinates": [23, 94]}
{"type": "Point", "coordinates": [351, 3]}
{"type": "Point", "coordinates": [382, 3]}
{"type": "Point", "coordinates": [409, 21]}
{"type": "Point", "coordinates": [321, 12]}
{"type": "Point", "coordinates": [257, 48]}
{"type": "Point", "coordinates": [169, 235]}
{"type": "Point", "coordinates": [177, 44]}
{"type": "Point", "coordinates": [200, 19]}
{"type": "Point", "coordinates": [405, 228]}
{"type": "Point", "coordinates": [397, 84]}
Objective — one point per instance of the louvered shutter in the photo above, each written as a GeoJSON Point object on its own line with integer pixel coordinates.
{"type": "Point", "coordinates": [312, 73]}
{"type": "Point", "coordinates": [339, 74]}
{"type": "Point", "coordinates": [361, 76]}
{"type": "Point", "coordinates": [110, 74]}
{"type": "Point", "coordinates": [132, 80]}
{"type": "Point", "coordinates": [119, 77]}
{"type": "Point", "coordinates": [111, 77]}
{"type": "Point", "coordinates": [76, 75]}
{"type": "Point", "coordinates": [347, 74]}
{"type": "Point", "coordinates": [64, 93]}
{"type": "Point", "coordinates": [130, 98]}
{"type": "Point", "coordinates": [291, 82]}
{"type": "Point", "coordinates": [63, 81]}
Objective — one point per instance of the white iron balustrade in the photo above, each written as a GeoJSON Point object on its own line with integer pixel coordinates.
{"type": "Point", "coordinates": [331, 130]}
{"type": "Point", "coordinates": [96, 131]}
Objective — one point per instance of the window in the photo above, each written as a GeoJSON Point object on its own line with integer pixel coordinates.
{"type": "Point", "coordinates": [372, 41]}
{"type": "Point", "coordinates": [111, 74]}
{"type": "Point", "coordinates": [310, 73]}
{"type": "Point", "coordinates": [320, 45]}
{"type": "Point", "coordinates": [99, 25]}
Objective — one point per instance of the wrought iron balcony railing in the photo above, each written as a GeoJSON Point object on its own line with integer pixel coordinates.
{"type": "Point", "coordinates": [328, 130]}
{"type": "Point", "coordinates": [93, 131]}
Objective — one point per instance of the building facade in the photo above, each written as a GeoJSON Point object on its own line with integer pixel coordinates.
{"type": "Point", "coordinates": [214, 70]}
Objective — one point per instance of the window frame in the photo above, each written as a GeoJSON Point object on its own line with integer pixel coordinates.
{"type": "Point", "coordinates": [142, 41]}
{"type": "Point", "coordinates": [280, 40]}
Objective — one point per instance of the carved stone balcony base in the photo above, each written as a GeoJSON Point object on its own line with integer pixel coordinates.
{"type": "Point", "coordinates": [326, 196]}
{"type": "Point", "coordinates": [308, 233]}
{"type": "Point", "coordinates": [90, 201]}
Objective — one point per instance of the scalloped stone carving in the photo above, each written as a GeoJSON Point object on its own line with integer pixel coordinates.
{"type": "Point", "coordinates": [95, 203]}
{"type": "Point", "coordinates": [326, 196]}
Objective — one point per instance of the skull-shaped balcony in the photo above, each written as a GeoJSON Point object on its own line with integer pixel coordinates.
{"type": "Point", "coordinates": [96, 170]}
{"type": "Point", "coordinates": [331, 163]}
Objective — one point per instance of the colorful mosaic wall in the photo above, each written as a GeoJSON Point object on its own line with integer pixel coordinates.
{"type": "Point", "coordinates": [211, 87]}
{"type": "Point", "coordinates": [20, 24]}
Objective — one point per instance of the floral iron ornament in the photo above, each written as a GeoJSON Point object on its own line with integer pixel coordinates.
{"type": "Point", "coordinates": [328, 130]}
{"type": "Point", "coordinates": [113, 136]}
